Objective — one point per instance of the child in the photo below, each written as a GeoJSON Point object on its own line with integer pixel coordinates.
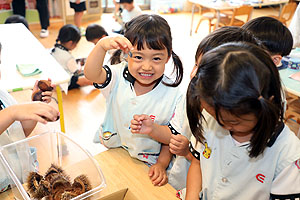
{"type": "Point", "coordinates": [179, 140]}
{"type": "Point", "coordinates": [129, 10]}
{"type": "Point", "coordinates": [67, 40]}
{"type": "Point", "coordinates": [138, 85]}
{"type": "Point", "coordinates": [94, 33]}
{"type": "Point", "coordinates": [17, 19]}
{"type": "Point", "coordinates": [273, 34]}
{"type": "Point", "coordinates": [79, 7]}
{"type": "Point", "coordinates": [18, 121]}
{"type": "Point", "coordinates": [241, 146]}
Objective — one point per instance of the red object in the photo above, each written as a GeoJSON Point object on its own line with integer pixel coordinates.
{"type": "Point", "coordinates": [260, 177]}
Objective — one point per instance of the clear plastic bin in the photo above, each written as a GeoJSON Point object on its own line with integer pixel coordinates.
{"type": "Point", "coordinates": [37, 153]}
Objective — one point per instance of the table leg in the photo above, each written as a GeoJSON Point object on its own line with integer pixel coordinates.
{"type": "Point", "coordinates": [193, 12]}
{"type": "Point", "coordinates": [218, 19]}
{"type": "Point", "coordinates": [60, 108]}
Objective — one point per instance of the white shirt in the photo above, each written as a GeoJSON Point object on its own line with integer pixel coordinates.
{"type": "Point", "coordinates": [66, 60]}
{"type": "Point", "coordinates": [295, 27]}
{"type": "Point", "coordinates": [21, 158]}
{"type": "Point", "coordinates": [178, 173]}
{"type": "Point", "coordinates": [229, 173]}
{"type": "Point", "coordinates": [129, 15]}
{"type": "Point", "coordinates": [122, 103]}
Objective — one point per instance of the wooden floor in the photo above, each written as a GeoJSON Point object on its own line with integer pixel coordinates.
{"type": "Point", "coordinates": [84, 108]}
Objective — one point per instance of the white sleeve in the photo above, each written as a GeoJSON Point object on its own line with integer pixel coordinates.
{"type": "Point", "coordinates": [287, 183]}
{"type": "Point", "coordinates": [295, 28]}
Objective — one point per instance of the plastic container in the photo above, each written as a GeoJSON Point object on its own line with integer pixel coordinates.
{"type": "Point", "coordinates": [37, 153]}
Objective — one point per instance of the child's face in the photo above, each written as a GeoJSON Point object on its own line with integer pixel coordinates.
{"type": "Point", "coordinates": [127, 6]}
{"type": "Point", "coordinates": [239, 126]}
{"type": "Point", "coordinates": [195, 68]}
{"type": "Point", "coordinates": [147, 65]}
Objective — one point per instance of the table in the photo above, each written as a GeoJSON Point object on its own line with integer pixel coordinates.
{"type": "Point", "coordinates": [125, 173]}
{"type": "Point", "coordinates": [291, 85]}
{"type": "Point", "coordinates": [219, 5]}
{"type": "Point", "coordinates": [19, 46]}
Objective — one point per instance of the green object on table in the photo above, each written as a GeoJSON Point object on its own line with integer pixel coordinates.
{"type": "Point", "coordinates": [28, 69]}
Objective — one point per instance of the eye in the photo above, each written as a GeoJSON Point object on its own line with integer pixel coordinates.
{"type": "Point", "coordinates": [138, 57]}
{"type": "Point", "coordinates": [156, 58]}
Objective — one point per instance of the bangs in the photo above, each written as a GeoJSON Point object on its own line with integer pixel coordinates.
{"type": "Point", "coordinates": [152, 41]}
{"type": "Point", "coordinates": [152, 31]}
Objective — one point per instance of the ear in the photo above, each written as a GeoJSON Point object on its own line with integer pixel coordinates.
{"type": "Point", "coordinates": [276, 59]}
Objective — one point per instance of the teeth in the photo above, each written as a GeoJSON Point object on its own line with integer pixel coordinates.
{"type": "Point", "coordinates": [146, 74]}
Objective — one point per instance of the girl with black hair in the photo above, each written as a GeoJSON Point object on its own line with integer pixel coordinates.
{"type": "Point", "coordinates": [241, 147]}
{"type": "Point", "coordinates": [67, 40]}
{"type": "Point", "coordinates": [138, 85]}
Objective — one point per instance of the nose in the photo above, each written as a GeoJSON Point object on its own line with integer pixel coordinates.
{"type": "Point", "coordinates": [147, 66]}
{"type": "Point", "coordinates": [227, 127]}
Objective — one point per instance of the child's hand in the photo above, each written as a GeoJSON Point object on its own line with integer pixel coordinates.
{"type": "Point", "coordinates": [179, 145]}
{"type": "Point", "coordinates": [141, 124]}
{"type": "Point", "coordinates": [158, 175]}
{"type": "Point", "coordinates": [118, 42]}
{"type": "Point", "coordinates": [46, 95]}
{"type": "Point", "coordinates": [37, 111]}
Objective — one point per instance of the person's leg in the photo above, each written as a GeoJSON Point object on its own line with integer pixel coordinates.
{"type": "Point", "coordinates": [19, 7]}
{"type": "Point", "coordinates": [78, 18]}
{"type": "Point", "coordinates": [42, 7]}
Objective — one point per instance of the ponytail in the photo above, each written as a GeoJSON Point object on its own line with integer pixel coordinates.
{"type": "Point", "coordinates": [194, 111]}
{"type": "Point", "coordinates": [178, 69]}
{"type": "Point", "coordinates": [267, 123]}
{"type": "Point", "coordinates": [116, 57]}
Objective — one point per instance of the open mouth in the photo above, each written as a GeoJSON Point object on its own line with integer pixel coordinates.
{"type": "Point", "coordinates": [146, 75]}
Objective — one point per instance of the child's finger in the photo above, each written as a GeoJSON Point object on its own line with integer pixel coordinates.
{"type": "Point", "coordinates": [158, 179]}
{"type": "Point", "coordinates": [175, 143]}
{"type": "Point", "coordinates": [151, 172]}
{"type": "Point", "coordinates": [163, 181]}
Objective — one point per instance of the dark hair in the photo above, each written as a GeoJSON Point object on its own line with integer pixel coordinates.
{"type": "Point", "coordinates": [153, 31]}
{"type": "Point", "coordinates": [272, 33]}
{"type": "Point", "coordinates": [240, 78]}
{"type": "Point", "coordinates": [94, 31]}
{"type": "Point", "coordinates": [68, 32]}
{"type": "Point", "coordinates": [16, 19]}
{"type": "Point", "coordinates": [223, 35]}
{"type": "Point", "coordinates": [125, 1]}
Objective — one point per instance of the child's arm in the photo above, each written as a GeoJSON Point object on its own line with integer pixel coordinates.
{"type": "Point", "coordinates": [35, 111]}
{"type": "Point", "coordinates": [157, 172]}
{"type": "Point", "coordinates": [143, 124]}
{"type": "Point", "coordinates": [194, 180]}
{"type": "Point", "coordinates": [93, 69]}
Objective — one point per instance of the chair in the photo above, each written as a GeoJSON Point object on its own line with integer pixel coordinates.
{"type": "Point", "coordinates": [209, 15]}
{"type": "Point", "coordinates": [232, 20]}
{"type": "Point", "coordinates": [286, 13]}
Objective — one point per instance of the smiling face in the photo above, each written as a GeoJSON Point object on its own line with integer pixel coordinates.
{"type": "Point", "coordinates": [147, 65]}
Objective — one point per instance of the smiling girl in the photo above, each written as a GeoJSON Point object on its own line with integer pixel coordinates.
{"type": "Point", "coordinates": [137, 86]}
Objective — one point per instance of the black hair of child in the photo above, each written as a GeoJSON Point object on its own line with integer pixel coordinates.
{"type": "Point", "coordinates": [95, 31]}
{"type": "Point", "coordinates": [16, 19]}
{"type": "Point", "coordinates": [272, 33]}
{"type": "Point", "coordinates": [240, 78]}
{"type": "Point", "coordinates": [69, 32]}
{"type": "Point", "coordinates": [223, 35]}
